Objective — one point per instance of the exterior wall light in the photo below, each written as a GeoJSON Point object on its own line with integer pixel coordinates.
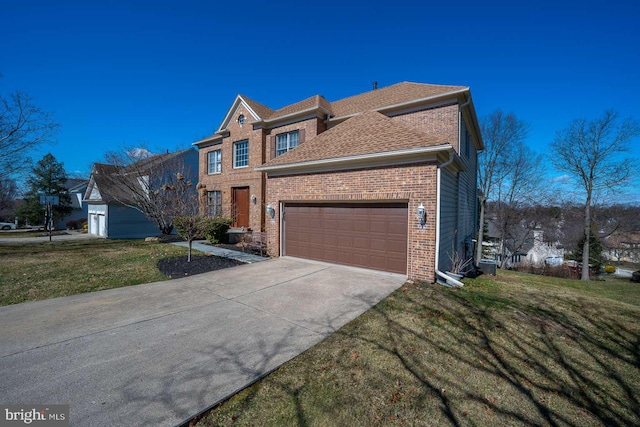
{"type": "Point", "coordinates": [271, 212]}
{"type": "Point", "coordinates": [253, 199]}
{"type": "Point", "coordinates": [422, 215]}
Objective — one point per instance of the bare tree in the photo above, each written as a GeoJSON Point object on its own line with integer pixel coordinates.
{"type": "Point", "coordinates": [155, 185]}
{"type": "Point", "coordinates": [500, 133]}
{"type": "Point", "coordinates": [590, 152]}
{"type": "Point", "coordinates": [8, 195]}
{"type": "Point", "coordinates": [22, 126]}
{"type": "Point", "coordinates": [518, 187]}
{"type": "Point", "coordinates": [188, 219]}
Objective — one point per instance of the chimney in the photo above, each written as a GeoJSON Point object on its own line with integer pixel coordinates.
{"type": "Point", "coordinates": [375, 85]}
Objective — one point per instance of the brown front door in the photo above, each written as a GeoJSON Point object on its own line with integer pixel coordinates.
{"type": "Point", "coordinates": [241, 207]}
{"type": "Point", "coordinates": [363, 235]}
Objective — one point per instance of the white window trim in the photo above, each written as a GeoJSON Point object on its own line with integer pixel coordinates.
{"type": "Point", "coordinates": [218, 163]}
{"type": "Point", "coordinates": [235, 150]}
{"type": "Point", "coordinates": [288, 136]}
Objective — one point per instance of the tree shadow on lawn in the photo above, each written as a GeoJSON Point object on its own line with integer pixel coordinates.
{"type": "Point", "coordinates": [528, 363]}
{"type": "Point", "coordinates": [429, 355]}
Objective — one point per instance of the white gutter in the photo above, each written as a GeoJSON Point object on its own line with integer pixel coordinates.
{"type": "Point", "coordinates": [359, 157]}
{"type": "Point", "coordinates": [447, 278]}
{"type": "Point", "coordinates": [208, 140]}
{"type": "Point", "coordinates": [291, 115]}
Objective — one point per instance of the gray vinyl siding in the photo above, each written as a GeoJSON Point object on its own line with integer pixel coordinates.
{"type": "Point", "coordinates": [448, 216]}
{"type": "Point", "coordinates": [467, 194]}
{"type": "Point", "coordinates": [458, 204]}
{"type": "Point", "coordinates": [128, 223]}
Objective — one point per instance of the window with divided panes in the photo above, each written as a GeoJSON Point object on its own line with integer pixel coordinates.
{"type": "Point", "coordinates": [241, 154]}
{"type": "Point", "coordinates": [214, 162]}
{"type": "Point", "coordinates": [214, 203]}
{"type": "Point", "coordinates": [286, 142]}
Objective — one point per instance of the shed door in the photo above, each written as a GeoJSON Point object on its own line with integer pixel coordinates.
{"type": "Point", "coordinates": [102, 226]}
{"type": "Point", "coordinates": [360, 235]}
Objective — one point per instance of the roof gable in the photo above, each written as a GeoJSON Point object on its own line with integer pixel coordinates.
{"type": "Point", "coordinates": [257, 111]}
{"type": "Point", "coordinates": [103, 187]}
{"type": "Point", "coordinates": [367, 133]}
{"type": "Point", "coordinates": [261, 111]}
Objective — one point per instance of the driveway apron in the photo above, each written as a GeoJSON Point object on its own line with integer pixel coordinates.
{"type": "Point", "coordinates": [160, 353]}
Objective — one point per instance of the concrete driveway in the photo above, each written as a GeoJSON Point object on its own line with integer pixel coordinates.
{"type": "Point", "coordinates": [159, 353]}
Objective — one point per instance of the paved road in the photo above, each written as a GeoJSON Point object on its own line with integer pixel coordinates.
{"type": "Point", "coordinates": [157, 354]}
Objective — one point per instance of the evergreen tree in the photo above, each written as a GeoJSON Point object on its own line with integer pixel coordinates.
{"type": "Point", "coordinates": [595, 249]}
{"type": "Point", "coordinates": [47, 178]}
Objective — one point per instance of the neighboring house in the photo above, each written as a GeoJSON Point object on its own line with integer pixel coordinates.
{"type": "Point", "coordinates": [345, 181]}
{"type": "Point", "coordinates": [529, 248]}
{"type": "Point", "coordinates": [76, 189]}
{"type": "Point", "coordinates": [110, 210]}
{"type": "Point", "coordinates": [622, 247]}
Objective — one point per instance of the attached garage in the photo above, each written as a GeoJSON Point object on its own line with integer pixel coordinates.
{"type": "Point", "coordinates": [368, 235]}
{"type": "Point", "coordinates": [367, 192]}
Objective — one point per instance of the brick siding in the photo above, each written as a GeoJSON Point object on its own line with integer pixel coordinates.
{"type": "Point", "coordinates": [442, 121]}
{"type": "Point", "coordinates": [415, 184]}
{"type": "Point", "coordinates": [230, 178]}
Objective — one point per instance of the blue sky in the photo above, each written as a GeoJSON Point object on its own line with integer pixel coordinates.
{"type": "Point", "coordinates": [163, 74]}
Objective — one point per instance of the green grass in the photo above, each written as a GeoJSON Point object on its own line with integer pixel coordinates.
{"type": "Point", "coordinates": [27, 233]}
{"type": "Point", "coordinates": [609, 287]}
{"type": "Point", "coordinates": [36, 271]}
{"type": "Point", "coordinates": [517, 350]}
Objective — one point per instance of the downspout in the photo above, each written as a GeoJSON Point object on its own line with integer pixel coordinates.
{"type": "Point", "coordinates": [455, 282]}
{"type": "Point", "coordinates": [460, 107]}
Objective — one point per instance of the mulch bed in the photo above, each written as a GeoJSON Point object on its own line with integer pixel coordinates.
{"type": "Point", "coordinates": [177, 267]}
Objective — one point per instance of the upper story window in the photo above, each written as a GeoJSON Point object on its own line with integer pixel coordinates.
{"type": "Point", "coordinates": [241, 154]}
{"type": "Point", "coordinates": [286, 141]}
{"type": "Point", "coordinates": [241, 119]}
{"type": "Point", "coordinates": [214, 161]}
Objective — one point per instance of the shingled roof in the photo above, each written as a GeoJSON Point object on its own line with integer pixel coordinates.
{"type": "Point", "coordinates": [261, 110]}
{"type": "Point", "coordinates": [109, 178]}
{"type": "Point", "coordinates": [313, 102]}
{"type": "Point", "coordinates": [366, 133]}
{"type": "Point", "coordinates": [102, 179]}
{"type": "Point", "coordinates": [398, 93]}
{"type": "Point", "coordinates": [403, 93]}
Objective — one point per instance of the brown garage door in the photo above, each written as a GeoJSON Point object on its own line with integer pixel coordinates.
{"type": "Point", "coordinates": [361, 235]}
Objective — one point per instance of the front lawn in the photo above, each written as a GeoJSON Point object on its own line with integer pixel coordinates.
{"type": "Point", "coordinates": [41, 270]}
{"type": "Point", "coordinates": [517, 350]}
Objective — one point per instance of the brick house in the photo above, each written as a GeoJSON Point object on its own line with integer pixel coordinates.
{"type": "Point", "coordinates": [384, 180]}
